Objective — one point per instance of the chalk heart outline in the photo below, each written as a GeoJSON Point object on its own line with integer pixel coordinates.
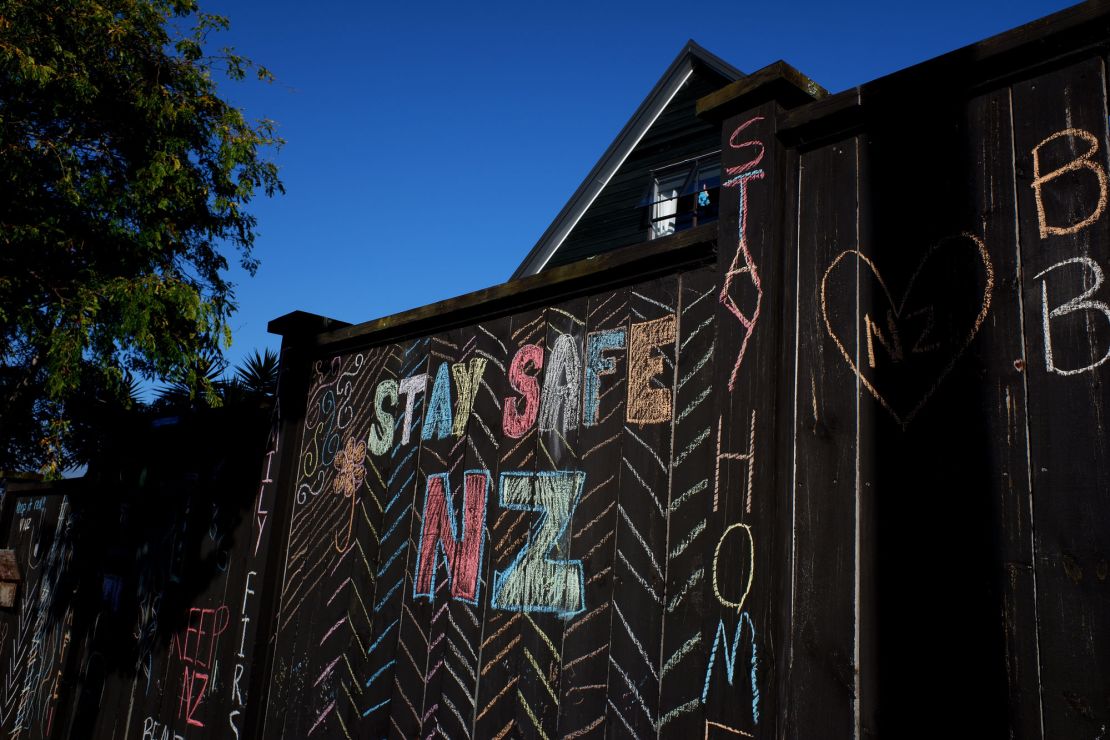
{"type": "Point", "coordinates": [899, 307]}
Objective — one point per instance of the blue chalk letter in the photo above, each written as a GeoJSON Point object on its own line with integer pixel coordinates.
{"type": "Point", "coordinates": [597, 365]}
{"type": "Point", "coordinates": [438, 420]}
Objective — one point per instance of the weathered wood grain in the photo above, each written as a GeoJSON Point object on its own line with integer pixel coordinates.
{"type": "Point", "coordinates": [585, 666]}
{"type": "Point", "coordinates": [823, 659]}
{"type": "Point", "coordinates": [501, 655]}
{"type": "Point", "coordinates": [645, 458]}
{"type": "Point", "coordinates": [1062, 257]}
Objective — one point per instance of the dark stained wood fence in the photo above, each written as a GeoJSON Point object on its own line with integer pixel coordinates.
{"type": "Point", "coordinates": [140, 607]}
{"type": "Point", "coordinates": [836, 466]}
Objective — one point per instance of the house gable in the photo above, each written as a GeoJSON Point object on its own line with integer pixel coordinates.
{"type": "Point", "coordinates": [606, 212]}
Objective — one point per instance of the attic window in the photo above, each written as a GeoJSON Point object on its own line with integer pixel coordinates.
{"type": "Point", "coordinates": [683, 195]}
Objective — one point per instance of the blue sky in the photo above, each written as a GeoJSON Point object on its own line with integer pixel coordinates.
{"type": "Point", "coordinates": [429, 145]}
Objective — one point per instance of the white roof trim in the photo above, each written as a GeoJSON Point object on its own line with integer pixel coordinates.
{"type": "Point", "coordinates": [611, 168]}
{"type": "Point", "coordinates": [676, 76]}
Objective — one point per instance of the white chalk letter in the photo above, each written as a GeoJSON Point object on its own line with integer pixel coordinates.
{"type": "Point", "coordinates": [1079, 303]}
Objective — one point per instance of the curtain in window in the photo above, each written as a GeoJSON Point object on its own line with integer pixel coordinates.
{"type": "Point", "coordinates": [662, 214]}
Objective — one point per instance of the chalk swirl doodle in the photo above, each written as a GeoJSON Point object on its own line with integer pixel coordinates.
{"type": "Point", "coordinates": [327, 436]}
{"type": "Point", "coordinates": [907, 350]}
{"type": "Point", "coordinates": [355, 366]}
{"type": "Point", "coordinates": [319, 417]}
{"type": "Point", "coordinates": [330, 410]}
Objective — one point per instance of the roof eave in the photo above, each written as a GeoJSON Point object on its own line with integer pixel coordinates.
{"type": "Point", "coordinates": [645, 116]}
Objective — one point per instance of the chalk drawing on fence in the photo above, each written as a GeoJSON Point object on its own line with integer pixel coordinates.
{"type": "Point", "coordinates": [1082, 302]}
{"type": "Point", "coordinates": [748, 457]}
{"type": "Point", "coordinates": [1083, 162]}
{"type": "Point", "coordinates": [743, 263]}
{"type": "Point", "coordinates": [942, 352]}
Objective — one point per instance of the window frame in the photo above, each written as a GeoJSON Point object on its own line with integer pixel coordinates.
{"type": "Point", "coordinates": [684, 211]}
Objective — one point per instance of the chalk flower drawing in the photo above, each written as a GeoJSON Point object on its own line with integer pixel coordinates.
{"type": "Point", "coordinates": [349, 474]}
{"type": "Point", "coordinates": [349, 470]}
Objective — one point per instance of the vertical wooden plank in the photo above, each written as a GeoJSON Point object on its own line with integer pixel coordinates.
{"type": "Point", "coordinates": [646, 452]}
{"type": "Point", "coordinates": [331, 454]}
{"type": "Point", "coordinates": [783, 439]}
{"type": "Point", "coordinates": [248, 690]}
{"type": "Point", "coordinates": [923, 300]}
{"type": "Point", "coordinates": [32, 633]}
{"type": "Point", "coordinates": [175, 523]}
{"type": "Point", "coordinates": [220, 500]}
{"type": "Point", "coordinates": [203, 612]}
{"type": "Point", "coordinates": [347, 592]}
{"type": "Point", "coordinates": [582, 688]}
{"type": "Point", "coordinates": [406, 711]}
{"type": "Point", "coordinates": [154, 533]}
{"type": "Point", "coordinates": [318, 549]}
{"type": "Point", "coordinates": [879, 449]}
{"type": "Point", "coordinates": [686, 638]}
{"type": "Point", "coordinates": [1060, 141]}
{"type": "Point", "coordinates": [275, 504]}
{"type": "Point", "coordinates": [460, 680]}
{"type": "Point", "coordinates": [283, 689]}
{"type": "Point", "coordinates": [442, 453]}
{"type": "Point", "coordinates": [1002, 349]}
{"type": "Point", "coordinates": [399, 473]}
{"type": "Point", "coordinates": [557, 442]}
{"type": "Point", "coordinates": [500, 651]}
{"type": "Point", "coordinates": [84, 672]}
{"type": "Point", "coordinates": [748, 532]}
{"type": "Point", "coordinates": [822, 659]}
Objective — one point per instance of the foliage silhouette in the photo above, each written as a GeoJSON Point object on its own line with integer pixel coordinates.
{"type": "Point", "coordinates": [127, 179]}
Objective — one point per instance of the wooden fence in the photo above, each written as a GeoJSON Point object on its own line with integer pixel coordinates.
{"type": "Point", "coordinates": [836, 466]}
{"type": "Point", "coordinates": [140, 606]}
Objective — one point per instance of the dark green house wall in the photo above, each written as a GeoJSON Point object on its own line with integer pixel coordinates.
{"type": "Point", "coordinates": [616, 219]}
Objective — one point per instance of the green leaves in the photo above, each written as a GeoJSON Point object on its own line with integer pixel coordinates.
{"type": "Point", "coordinates": [126, 181]}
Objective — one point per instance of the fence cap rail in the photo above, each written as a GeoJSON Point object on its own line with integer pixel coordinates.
{"type": "Point", "coordinates": [778, 81]}
{"type": "Point", "coordinates": [301, 323]}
